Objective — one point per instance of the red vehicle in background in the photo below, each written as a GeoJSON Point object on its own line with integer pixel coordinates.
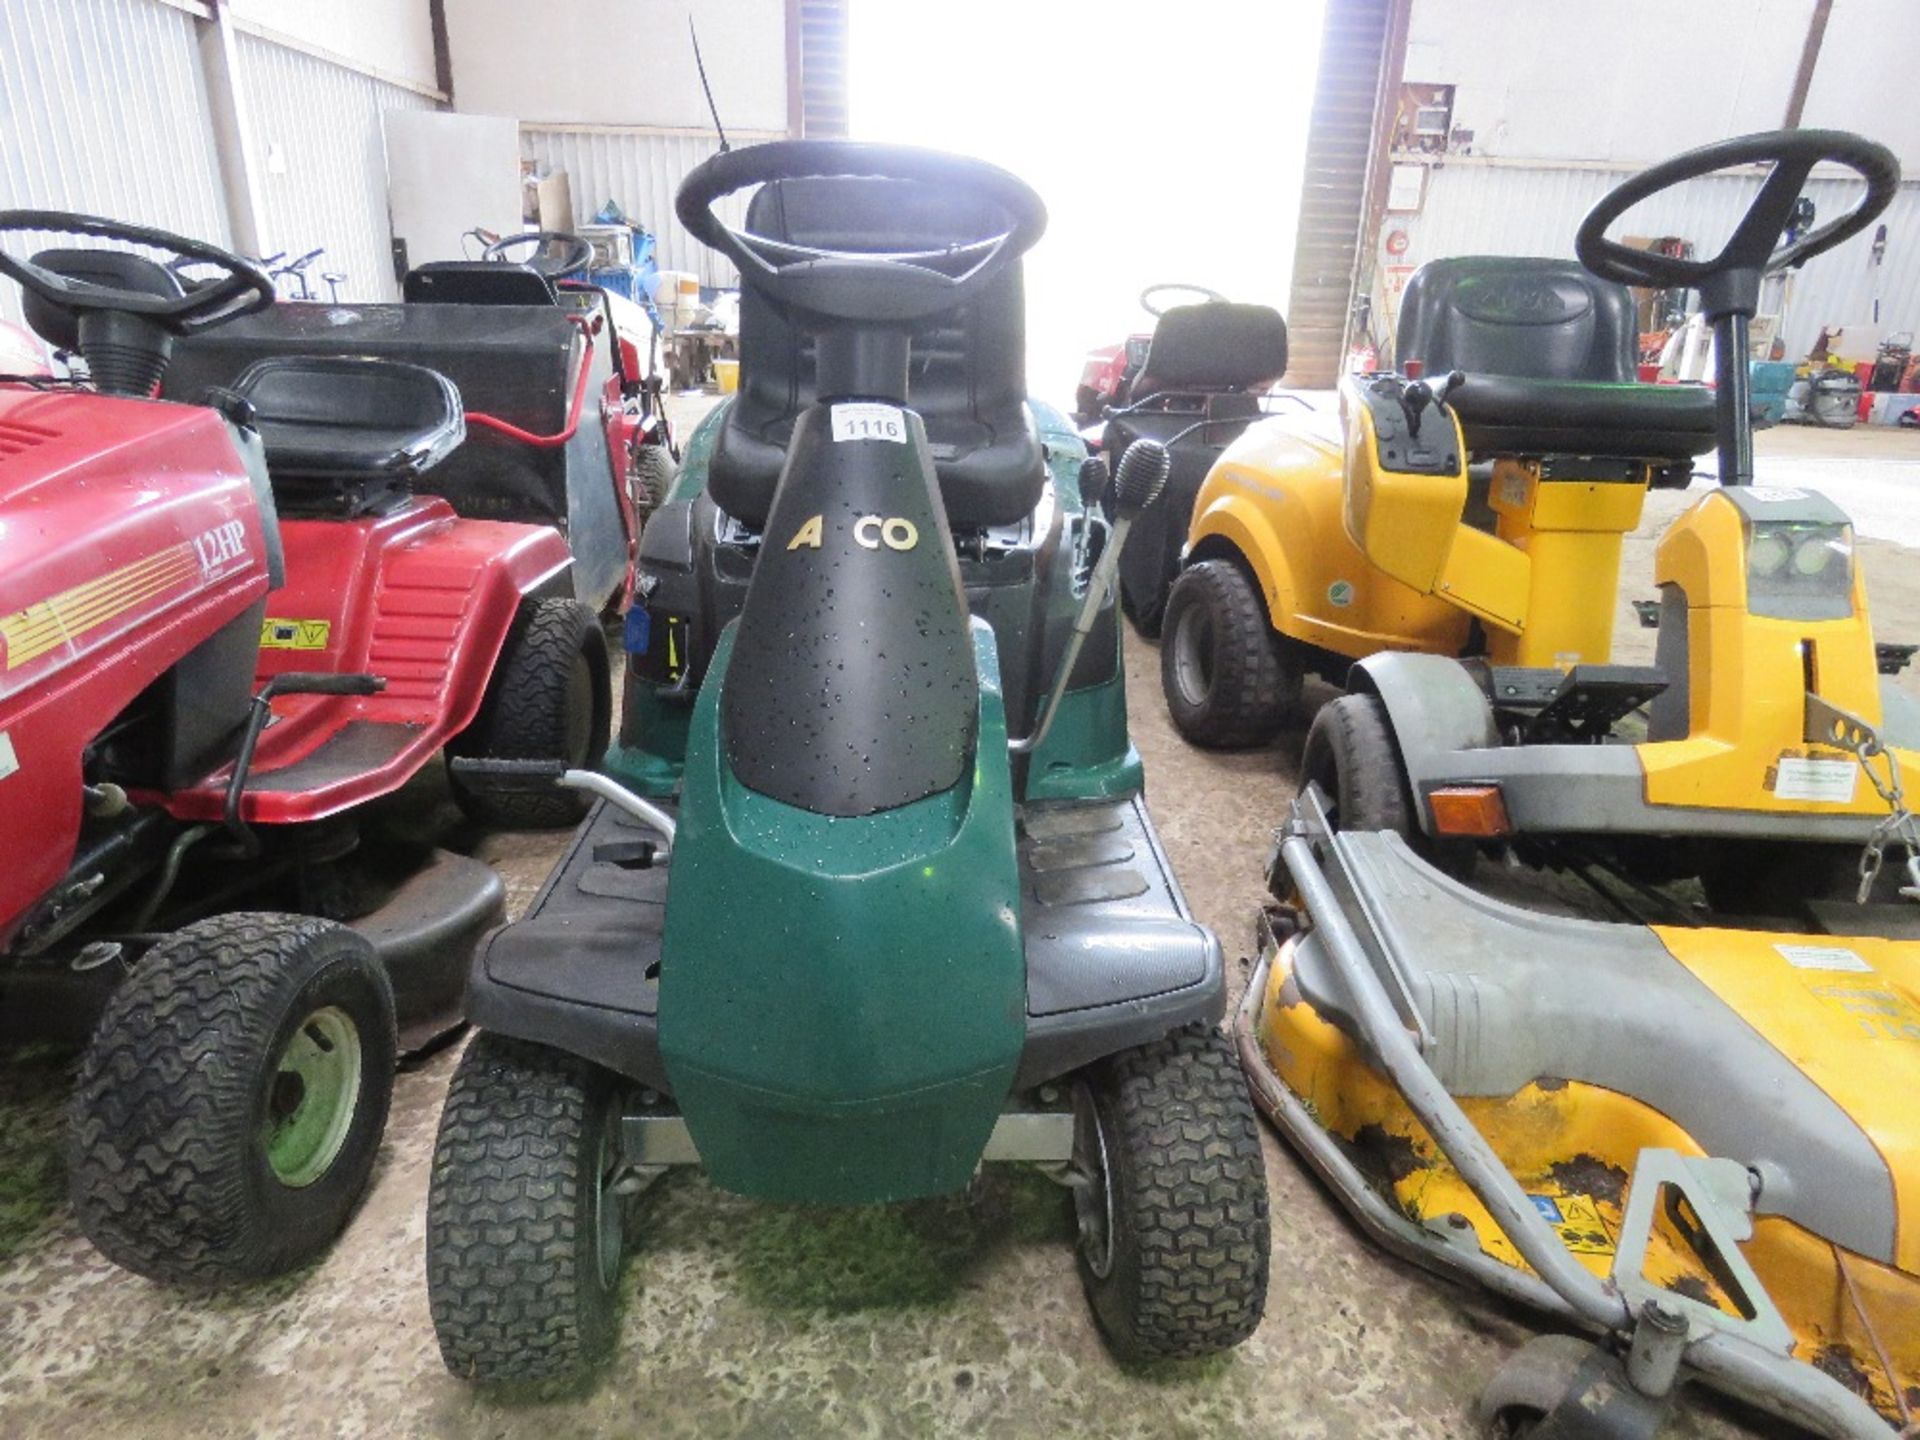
{"type": "Point", "coordinates": [1107, 375]}
{"type": "Point", "coordinates": [227, 631]}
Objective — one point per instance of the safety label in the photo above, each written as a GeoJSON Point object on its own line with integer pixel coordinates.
{"type": "Point", "coordinates": [1831, 781]}
{"type": "Point", "coordinates": [294, 634]}
{"type": "Point", "coordinates": [1823, 957]}
{"type": "Point", "coordinates": [1763, 495]}
{"type": "Point", "coordinates": [869, 422]}
{"type": "Point", "coordinates": [1576, 1218]}
{"type": "Point", "coordinates": [9, 762]}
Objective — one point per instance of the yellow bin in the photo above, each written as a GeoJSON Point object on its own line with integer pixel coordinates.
{"type": "Point", "coordinates": [727, 373]}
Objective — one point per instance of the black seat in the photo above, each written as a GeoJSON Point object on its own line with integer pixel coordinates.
{"type": "Point", "coordinates": [1218, 345]}
{"type": "Point", "coordinates": [350, 433]}
{"type": "Point", "coordinates": [968, 368]}
{"type": "Point", "coordinates": [476, 282]}
{"type": "Point", "coordinates": [1548, 350]}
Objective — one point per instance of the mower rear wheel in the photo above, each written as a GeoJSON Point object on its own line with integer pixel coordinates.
{"type": "Point", "coordinates": [1352, 756]}
{"type": "Point", "coordinates": [231, 1103]}
{"type": "Point", "coordinates": [1171, 1198]}
{"type": "Point", "coordinates": [652, 475]}
{"type": "Point", "coordinates": [549, 699]}
{"type": "Point", "coordinates": [1230, 681]}
{"type": "Point", "coordinates": [526, 1234]}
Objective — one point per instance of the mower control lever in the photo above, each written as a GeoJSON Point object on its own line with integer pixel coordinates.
{"type": "Point", "coordinates": [1142, 476]}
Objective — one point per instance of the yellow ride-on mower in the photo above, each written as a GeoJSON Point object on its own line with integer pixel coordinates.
{"type": "Point", "coordinates": [1689, 1129]}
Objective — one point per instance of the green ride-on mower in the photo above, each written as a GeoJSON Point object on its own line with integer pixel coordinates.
{"type": "Point", "coordinates": [895, 908]}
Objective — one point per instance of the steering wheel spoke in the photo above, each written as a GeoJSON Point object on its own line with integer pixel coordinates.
{"type": "Point", "coordinates": [1729, 282]}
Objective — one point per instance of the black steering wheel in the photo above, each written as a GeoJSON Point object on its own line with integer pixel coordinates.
{"type": "Point", "coordinates": [1207, 297]}
{"type": "Point", "coordinates": [240, 288]}
{"type": "Point", "coordinates": [881, 287]}
{"type": "Point", "coordinates": [556, 254]}
{"type": "Point", "coordinates": [1729, 283]}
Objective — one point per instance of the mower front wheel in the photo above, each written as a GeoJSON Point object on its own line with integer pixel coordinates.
{"type": "Point", "coordinates": [526, 1232]}
{"type": "Point", "coordinates": [230, 1105]}
{"type": "Point", "coordinates": [1352, 756]}
{"type": "Point", "coordinates": [550, 699]}
{"type": "Point", "coordinates": [651, 477]}
{"type": "Point", "coordinates": [1230, 681]}
{"type": "Point", "coordinates": [1170, 1196]}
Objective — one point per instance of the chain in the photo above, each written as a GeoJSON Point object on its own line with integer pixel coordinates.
{"type": "Point", "coordinates": [1900, 824]}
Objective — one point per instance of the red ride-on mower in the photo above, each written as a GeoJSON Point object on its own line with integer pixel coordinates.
{"type": "Point", "coordinates": [225, 632]}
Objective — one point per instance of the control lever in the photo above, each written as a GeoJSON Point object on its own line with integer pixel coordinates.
{"type": "Point", "coordinates": [1417, 395]}
{"type": "Point", "coordinates": [1141, 478]}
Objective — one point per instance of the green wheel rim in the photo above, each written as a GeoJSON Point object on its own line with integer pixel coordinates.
{"type": "Point", "coordinates": [313, 1090]}
{"type": "Point", "coordinates": [609, 1225]}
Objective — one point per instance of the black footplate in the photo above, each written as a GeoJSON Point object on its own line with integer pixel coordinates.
{"type": "Point", "coordinates": [581, 969]}
{"type": "Point", "coordinates": [1113, 958]}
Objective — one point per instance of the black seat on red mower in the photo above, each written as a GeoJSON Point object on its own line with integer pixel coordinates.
{"type": "Point", "coordinates": [476, 282]}
{"type": "Point", "coordinates": [350, 433]}
{"type": "Point", "coordinates": [1214, 346]}
{"type": "Point", "coordinates": [1549, 353]}
{"type": "Point", "coordinates": [967, 380]}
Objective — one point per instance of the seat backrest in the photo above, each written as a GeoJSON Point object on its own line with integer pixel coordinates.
{"type": "Point", "coordinates": [1218, 345]}
{"type": "Point", "coordinates": [349, 433]}
{"type": "Point", "coordinates": [476, 282]}
{"type": "Point", "coordinates": [965, 363]}
{"type": "Point", "coordinates": [1514, 315]}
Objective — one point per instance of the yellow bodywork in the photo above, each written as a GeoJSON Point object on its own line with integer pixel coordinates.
{"type": "Point", "coordinates": [1573, 1146]}
{"type": "Point", "coordinates": [1748, 677]}
{"type": "Point", "coordinates": [1355, 558]}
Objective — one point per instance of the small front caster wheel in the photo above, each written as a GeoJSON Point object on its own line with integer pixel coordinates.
{"type": "Point", "coordinates": [526, 1233]}
{"type": "Point", "coordinates": [1170, 1197]}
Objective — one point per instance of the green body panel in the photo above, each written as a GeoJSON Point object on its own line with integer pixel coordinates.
{"type": "Point", "coordinates": [1087, 755]}
{"type": "Point", "coordinates": [843, 1001]}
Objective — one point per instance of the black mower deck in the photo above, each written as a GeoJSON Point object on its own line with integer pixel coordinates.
{"type": "Point", "coordinates": [1113, 959]}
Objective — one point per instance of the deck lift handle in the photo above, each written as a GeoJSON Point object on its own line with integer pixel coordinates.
{"type": "Point", "coordinates": [1729, 283]}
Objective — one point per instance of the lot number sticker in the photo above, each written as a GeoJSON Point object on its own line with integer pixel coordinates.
{"type": "Point", "coordinates": [869, 422]}
{"type": "Point", "coordinates": [1823, 957]}
{"type": "Point", "coordinates": [1831, 781]}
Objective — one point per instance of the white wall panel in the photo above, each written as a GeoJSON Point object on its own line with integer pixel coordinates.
{"type": "Point", "coordinates": [102, 110]}
{"type": "Point", "coordinates": [642, 170]}
{"type": "Point", "coordinates": [319, 162]}
{"type": "Point", "coordinates": [1475, 208]}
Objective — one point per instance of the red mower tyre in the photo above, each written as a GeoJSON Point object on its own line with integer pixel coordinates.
{"type": "Point", "coordinates": [1171, 1199]}
{"type": "Point", "coordinates": [1229, 680]}
{"type": "Point", "coordinates": [525, 1231]}
{"type": "Point", "coordinates": [550, 699]}
{"type": "Point", "coordinates": [231, 1103]}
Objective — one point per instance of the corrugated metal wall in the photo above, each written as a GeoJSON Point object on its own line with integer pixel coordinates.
{"type": "Point", "coordinates": [103, 110]}
{"type": "Point", "coordinates": [1333, 195]}
{"type": "Point", "coordinates": [641, 170]}
{"type": "Point", "coordinates": [319, 163]}
{"type": "Point", "coordinates": [1475, 208]}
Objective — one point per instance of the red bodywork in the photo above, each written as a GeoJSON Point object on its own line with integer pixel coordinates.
{"type": "Point", "coordinates": [1105, 371]}
{"type": "Point", "coordinates": [129, 534]}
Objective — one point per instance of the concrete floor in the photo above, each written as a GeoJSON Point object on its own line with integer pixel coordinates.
{"type": "Point", "coordinates": [751, 1320]}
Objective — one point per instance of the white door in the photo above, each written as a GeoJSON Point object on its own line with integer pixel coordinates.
{"type": "Point", "coordinates": [447, 174]}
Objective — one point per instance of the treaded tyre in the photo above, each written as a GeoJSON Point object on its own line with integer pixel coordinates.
{"type": "Point", "coordinates": [1352, 756]}
{"type": "Point", "coordinates": [1173, 1211]}
{"type": "Point", "coordinates": [1227, 676]}
{"type": "Point", "coordinates": [549, 699]}
{"type": "Point", "coordinates": [525, 1235]}
{"type": "Point", "coordinates": [652, 476]}
{"type": "Point", "coordinates": [230, 1105]}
